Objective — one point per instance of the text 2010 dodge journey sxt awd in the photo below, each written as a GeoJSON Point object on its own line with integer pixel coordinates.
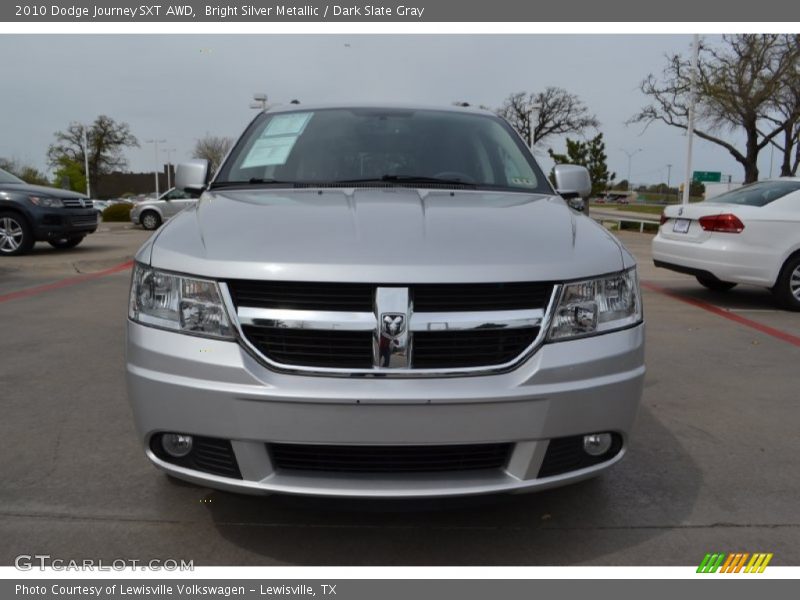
{"type": "Point", "coordinates": [383, 302]}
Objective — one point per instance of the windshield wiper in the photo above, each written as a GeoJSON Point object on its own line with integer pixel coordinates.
{"type": "Point", "coordinates": [408, 179]}
{"type": "Point", "coordinates": [251, 181]}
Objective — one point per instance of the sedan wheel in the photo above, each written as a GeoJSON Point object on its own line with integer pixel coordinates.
{"type": "Point", "coordinates": [787, 289]}
{"type": "Point", "coordinates": [150, 220]}
{"type": "Point", "coordinates": [15, 235]}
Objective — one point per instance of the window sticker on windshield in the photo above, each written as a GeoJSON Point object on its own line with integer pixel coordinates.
{"type": "Point", "coordinates": [269, 151]}
{"type": "Point", "coordinates": [521, 181]}
{"type": "Point", "coordinates": [290, 124]}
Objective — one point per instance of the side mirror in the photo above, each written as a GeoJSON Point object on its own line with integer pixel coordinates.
{"type": "Point", "coordinates": [573, 181]}
{"type": "Point", "coordinates": [192, 176]}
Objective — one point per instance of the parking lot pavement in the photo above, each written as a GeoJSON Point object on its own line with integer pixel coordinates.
{"type": "Point", "coordinates": [712, 466]}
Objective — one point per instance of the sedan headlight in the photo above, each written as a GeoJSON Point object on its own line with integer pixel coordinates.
{"type": "Point", "coordinates": [184, 304]}
{"type": "Point", "coordinates": [597, 306]}
{"type": "Point", "coordinates": [46, 201]}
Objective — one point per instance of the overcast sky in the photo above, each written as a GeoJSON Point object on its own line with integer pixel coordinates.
{"type": "Point", "coordinates": [180, 87]}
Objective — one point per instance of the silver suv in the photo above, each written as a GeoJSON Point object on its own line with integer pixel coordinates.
{"type": "Point", "coordinates": [383, 302]}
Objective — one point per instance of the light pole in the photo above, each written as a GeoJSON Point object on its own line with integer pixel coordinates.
{"type": "Point", "coordinates": [690, 125]}
{"type": "Point", "coordinates": [259, 102]}
{"type": "Point", "coordinates": [669, 176]}
{"type": "Point", "coordinates": [169, 152]}
{"type": "Point", "coordinates": [630, 156]}
{"type": "Point", "coordinates": [155, 143]}
{"type": "Point", "coordinates": [86, 162]}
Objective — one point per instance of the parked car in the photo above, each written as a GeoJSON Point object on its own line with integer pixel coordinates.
{"type": "Point", "coordinates": [99, 206]}
{"type": "Point", "coordinates": [750, 235]}
{"type": "Point", "coordinates": [151, 213]}
{"type": "Point", "coordinates": [35, 213]}
{"type": "Point", "coordinates": [383, 302]}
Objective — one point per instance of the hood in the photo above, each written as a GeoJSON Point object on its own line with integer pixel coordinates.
{"type": "Point", "coordinates": [391, 235]}
{"type": "Point", "coordinates": [44, 190]}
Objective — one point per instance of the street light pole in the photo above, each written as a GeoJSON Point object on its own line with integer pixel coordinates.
{"type": "Point", "coordinates": [86, 162]}
{"type": "Point", "coordinates": [630, 156]}
{"type": "Point", "coordinates": [155, 143]}
{"type": "Point", "coordinates": [690, 125]}
{"type": "Point", "coordinates": [169, 152]}
{"type": "Point", "coordinates": [669, 177]}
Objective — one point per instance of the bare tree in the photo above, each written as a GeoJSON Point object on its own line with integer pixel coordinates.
{"type": "Point", "coordinates": [106, 141]}
{"type": "Point", "coordinates": [212, 148]}
{"type": "Point", "coordinates": [537, 116]}
{"type": "Point", "coordinates": [737, 85]}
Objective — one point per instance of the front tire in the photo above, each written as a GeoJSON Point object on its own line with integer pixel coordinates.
{"type": "Point", "coordinates": [150, 220]}
{"type": "Point", "coordinates": [16, 236]}
{"type": "Point", "coordinates": [787, 288]}
{"type": "Point", "coordinates": [66, 242]}
{"type": "Point", "coordinates": [715, 284]}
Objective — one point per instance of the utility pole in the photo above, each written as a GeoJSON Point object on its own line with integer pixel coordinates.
{"type": "Point", "coordinates": [669, 176]}
{"type": "Point", "coordinates": [155, 143]}
{"type": "Point", "coordinates": [690, 126]}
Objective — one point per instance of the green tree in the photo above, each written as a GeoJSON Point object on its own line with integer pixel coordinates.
{"type": "Point", "coordinates": [107, 140]}
{"type": "Point", "coordinates": [71, 172]}
{"type": "Point", "coordinates": [590, 154]}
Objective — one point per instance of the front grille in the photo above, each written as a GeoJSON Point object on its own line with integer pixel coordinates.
{"type": "Point", "coordinates": [389, 459]}
{"type": "Point", "coordinates": [566, 454]}
{"type": "Point", "coordinates": [351, 297]}
{"type": "Point", "coordinates": [75, 203]}
{"type": "Point", "coordinates": [492, 323]}
{"type": "Point", "coordinates": [446, 297]}
{"type": "Point", "coordinates": [313, 348]}
{"type": "Point", "coordinates": [210, 455]}
{"type": "Point", "coordinates": [462, 349]}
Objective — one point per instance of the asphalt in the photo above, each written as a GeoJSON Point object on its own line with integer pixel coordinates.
{"type": "Point", "coordinates": [712, 467]}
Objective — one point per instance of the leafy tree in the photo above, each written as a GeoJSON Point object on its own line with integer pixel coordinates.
{"type": "Point", "coordinates": [537, 116]}
{"type": "Point", "coordinates": [212, 148]}
{"type": "Point", "coordinates": [739, 84]}
{"type": "Point", "coordinates": [73, 173]}
{"type": "Point", "coordinates": [590, 154]}
{"type": "Point", "coordinates": [107, 140]}
{"type": "Point", "coordinates": [27, 173]}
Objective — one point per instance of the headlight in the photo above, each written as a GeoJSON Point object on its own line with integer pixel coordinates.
{"type": "Point", "coordinates": [176, 302]}
{"type": "Point", "coordinates": [46, 201]}
{"type": "Point", "coordinates": [597, 306]}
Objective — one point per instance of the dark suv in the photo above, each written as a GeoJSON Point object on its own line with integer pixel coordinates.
{"type": "Point", "coordinates": [34, 213]}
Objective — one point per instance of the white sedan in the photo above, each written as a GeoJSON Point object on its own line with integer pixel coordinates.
{"type": "Point", "coordinates": [750, 235]}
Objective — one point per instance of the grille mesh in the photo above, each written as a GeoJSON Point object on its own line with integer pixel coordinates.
{"type": "Point", "coordinates": [462, 349]}
{"type": "Point", "coordinates": [352, 297]}
{"type": "Point", "coordinates": [313, 348]}
{"type": "Point", "coordinates": [389, 459]}
{"type": "Point", "coordinates": [448, 297]}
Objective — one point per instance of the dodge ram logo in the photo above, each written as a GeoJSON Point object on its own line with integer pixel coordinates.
{"type": "Point", "coordinates": [392, 324]}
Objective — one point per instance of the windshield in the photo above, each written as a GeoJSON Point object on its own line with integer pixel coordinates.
{"type": "Point", "coordinates": [6, 177]}
{"type": "Point", "coordinates": [340, 146]}
{"type": "Point", "coordinates": [758, 194]}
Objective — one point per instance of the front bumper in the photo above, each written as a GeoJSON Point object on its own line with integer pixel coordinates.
{"type": "Point", "coordinates": [53, 223]}
{"type": "Point", "coordinates": [204, 387]}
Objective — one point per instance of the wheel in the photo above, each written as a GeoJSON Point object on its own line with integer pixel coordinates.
{"type": "Point", "coordinates": [787, 288]}
{"type": "Point", "coordinates": [66, 242]}
{"type": "Point", "coordinates": [715, 284]}
{"type": "Point", "coordinates": [16, 236]}
{"type": "Point", "coordinates": [150, 220]}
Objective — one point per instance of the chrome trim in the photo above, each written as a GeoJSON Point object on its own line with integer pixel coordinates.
{"type": "Point", "coordinates": [306, 319]}
{"type": "Point", "coordinates": [227, 300]}
{"type": "Point", "coordinates": [462, 321]}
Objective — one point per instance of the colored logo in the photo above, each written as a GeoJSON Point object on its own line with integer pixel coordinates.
{"type": "Point", "coordinates": [735, 562]}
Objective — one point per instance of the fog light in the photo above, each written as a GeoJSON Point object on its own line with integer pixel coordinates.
{"type": "Point", "coordinates": [596, 444]}
{"type": "Point", "coordinates": [176, 445]}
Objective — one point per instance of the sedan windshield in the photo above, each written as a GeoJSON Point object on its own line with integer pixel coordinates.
{"type": "Point", "coordinates": [382, 146]}
{"type": "Point", "coordinates": [758, 194]}
{"type": "Point", "coordinates": [6, 177]}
